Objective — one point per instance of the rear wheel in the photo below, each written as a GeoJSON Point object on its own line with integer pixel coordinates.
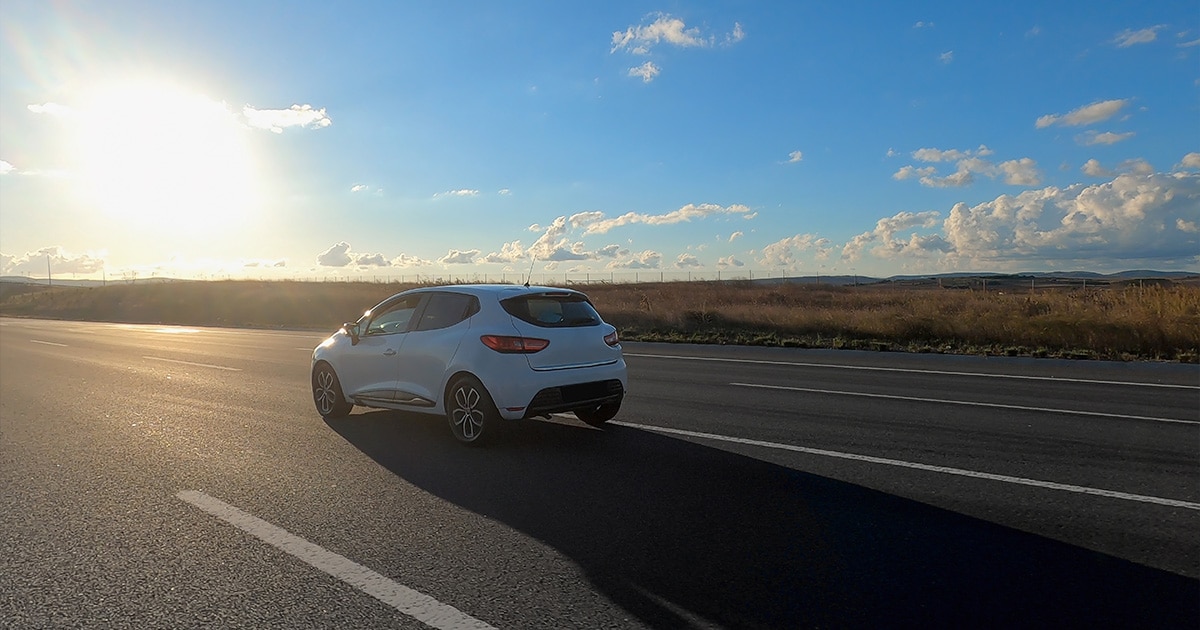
{"type": "Point", "coordinates": [599, 414]}
{"type": "Point", "coordinates": [327, 393]}
{"type": "Point", "coordinates": [470, 411]}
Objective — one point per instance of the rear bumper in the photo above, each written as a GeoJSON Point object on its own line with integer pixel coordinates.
{"type": "Point", "coordinates": [577, 396]}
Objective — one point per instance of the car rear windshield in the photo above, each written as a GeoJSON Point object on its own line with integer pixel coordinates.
{"type": "Point", "coordinates": [553, 310]}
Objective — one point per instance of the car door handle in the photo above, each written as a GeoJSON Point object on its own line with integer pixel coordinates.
{"type": "Point", "coordinates": [389, 352]}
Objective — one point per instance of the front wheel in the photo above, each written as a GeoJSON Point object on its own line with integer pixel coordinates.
{"type": "Point", "coordinates": [599, 414]}
{"type": "Point", "coordinates": [327, 393]}
{"type": "Point", "coordinates": [470, 411]}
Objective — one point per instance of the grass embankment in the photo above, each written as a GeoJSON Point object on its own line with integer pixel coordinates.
{"type": "Point", "coordinates": [1156, 321]}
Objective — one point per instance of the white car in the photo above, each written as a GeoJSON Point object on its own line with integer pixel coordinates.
{"type": "Point", "coordinates": [477, 354]}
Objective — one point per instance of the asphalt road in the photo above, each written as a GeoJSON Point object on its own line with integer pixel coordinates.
{"type": "Point", "coordinates": [155, 476]}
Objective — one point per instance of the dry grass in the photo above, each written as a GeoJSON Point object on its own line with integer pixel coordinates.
{"type": "Point", "coordinates": [1154, 321]}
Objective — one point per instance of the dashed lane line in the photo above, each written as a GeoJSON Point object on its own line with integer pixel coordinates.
{"type": "Point", "coordinates": [1050, 485]}
{"type": "Point", "coordinates": [204, 365]}
{"type": "Point", "coordinates": [412, 603]}
{"type": "Point", "coordinates": [869, 368]}
{"type": "Point", "coordinates": [1072, 412]}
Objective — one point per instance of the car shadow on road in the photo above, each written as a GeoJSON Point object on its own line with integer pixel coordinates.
{"type": "Point", "coordinates": [674, 532]}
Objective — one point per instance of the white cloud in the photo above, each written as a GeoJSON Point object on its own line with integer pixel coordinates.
{"type": "Point", "coordinates": [52, 109]}
{"type": "Point", "coordinates": [1187, 226]}
{"type": "Point", "coordinates": [735, 36]}
{"type": "Point", "coordinates": [639, 40]}
{"type": "Point", "coordinates": [795, 156]}
{"type": "Point", "coordinates": [687, 261]}
{"type": "Point", "coordinates": [729, 261]}
{"type": "Point", "coordinates": [920, 24]}
{"type": "Point", "coordinates": [6, 168]}
{"type": "Point", "coordinates": [358, 188]}
{"type": "Point", "coordinates": [1020, 172]}
{"type": "Point", "coordinates": [405, 260]}
{"type": "Point", "coordinates": [1134, 217]}
{"type": "Point", "coordinates": [646, 260]}
{"type": "Point", "coordinates": [504, 192]}
{"type": "Point", "coordinates": [463, 192]}
{"type": "Point", "coordinates": [735, 236]}
{"type": "Point", "coordinates": [946, 57]}
{"type": "Point", "coordinates": [339, 255]}
{"type": "Point", "coordinates": [61, 261]}
{"type": "Point", "coordinates": [1093, 168]}
{"type": "Point", "coordinates": [883, 242]}
{"type": "Point", "coordinates": [456, 257]}
{"type": "Point", "coordinates": [596, 225]}
{"type": "Point", "coordinates": [1093, 138]}
{"type": "Point", "coordinates": [277, 120]}
{"type": "Point", "coordinates": [509, 253]}
{"type": "Point", "coordinates": [1191, 160]}
{"type": "Point", "coordinates": [1137, 166]}
{"type": "Point", "coordinates": [1086, 115]}
{"type": "Point", "coordinates": [782, 253]}
{"type": "Point", "coordinates": [611, 251]}
{"type": "Point", "coordinates": [646, 71]}
{"type": "Point", "coordinates": [1128, 37]}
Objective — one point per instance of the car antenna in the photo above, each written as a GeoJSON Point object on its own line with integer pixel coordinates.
{"type": "Point", "coordinates": [532, 262]}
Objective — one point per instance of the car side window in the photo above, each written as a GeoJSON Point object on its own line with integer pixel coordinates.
{"type": "Point", "coordinates": [447, 309]}
{"type": "Point", "coordinates": [394, 317]}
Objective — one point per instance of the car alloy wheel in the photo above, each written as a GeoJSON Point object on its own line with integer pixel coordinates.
{"type": "Point", "coordinates": [470, 411]}
{"type": "Point", "coordinates": [327, 393]}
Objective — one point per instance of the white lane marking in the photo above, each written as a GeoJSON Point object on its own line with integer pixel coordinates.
{"type": "Point", "coordinates": [207, 365]}
{"type": "Point", "coordinates": [48, 343]}
{"type": "Point", "coordinates": [866, 368]}
{"type": "Point", "coordinates": [1112, 494]}
{"type": "Point", "coordinates": [413, 603]}
{"type": "Point", "coordinates": [964, 403]}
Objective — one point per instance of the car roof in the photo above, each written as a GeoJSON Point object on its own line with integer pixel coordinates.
{"type": "Point", "coordinates": [496, 291]}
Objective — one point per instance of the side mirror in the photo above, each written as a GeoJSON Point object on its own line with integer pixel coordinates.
{"type": "Point", "coordinates": [351, 329]}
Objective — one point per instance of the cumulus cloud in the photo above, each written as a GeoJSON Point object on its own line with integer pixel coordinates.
{"type": "Point", "coordinates": [729, 261]}
{"type": "Point", "coordinates": [276, 120]}
{"type": "Point", "coordinates": [884, 243]}
{"type": "Point", "coordinates": [968, 163]}
{"type": "Point", "coordinates": [1129, 37]}
{"type": "Point", "coordinates": [6, 168]}
{"type": "Point", "coordinates": [456, 257]}
{"type": "Point", "coordinates": [645, 260]}
{"type": "Point", "coordinates": [782, 253]}
{"type": "Point", "coordinates": [1191, 160]}
{"type": "Point", "coordinates": [1133, 217]}
{"type": "Point", "coordinates": [735, 236]}
{"type": "Point", "coordinates": [509, 253]}
{"type": "Point", "coordinates": [795, 156]}
{"type": "Point", "coordinates": [946, 57]}
{"type": "Point", "coordinates": [641, 39]}
{"type": "Point", "coordinates": [1092, 138]}
{"type": "Point", "coordinates": [359, 188]}
{"type": "Point", "coordinates": [339, 255]}
{"type": "Point", "coordinates": [1086, 115]}
{"type": "Point", "coordinates": [687, 261]}
{"type": "Point", "coordinates": [61, 262]}
{"type": "Point", "coordinates": [1093, 168]}
{"type": "Point", "coordinates": [405, 260]}
{"type": "Point", "coordinates": [596, 224]}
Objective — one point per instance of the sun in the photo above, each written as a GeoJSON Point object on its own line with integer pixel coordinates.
{"type": "Point", "coordinates": [158, 156]}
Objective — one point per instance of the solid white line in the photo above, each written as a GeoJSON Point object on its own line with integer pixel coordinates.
{"type": "Point", "coordinates": [1112, 494]}
{"type": "Point", "coordinates": [866, 368]}
{"type": "Point", "coordinates": [48, 343]}
{"type": "Point", "coordinates": [413, 603]}
{"type": "Point", "coordinates": [1072, 412]}
{"type": "Point", "coordinates": [207, 365]}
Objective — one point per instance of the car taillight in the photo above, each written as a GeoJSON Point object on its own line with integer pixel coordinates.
{"type": "Point", "coordinates": [514, 345]}
{"type": "Point", "coordinates": [611, 338]}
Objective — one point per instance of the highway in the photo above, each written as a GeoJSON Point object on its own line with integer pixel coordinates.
{"type": "Point", "coordinates": [162, 476]}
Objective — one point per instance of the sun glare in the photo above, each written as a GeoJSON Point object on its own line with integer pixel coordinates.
{"type": "Point", "coordinates": [163, 158]}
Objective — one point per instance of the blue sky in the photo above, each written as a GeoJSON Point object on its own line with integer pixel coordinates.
{"type": "Point", "coordinates": [474, 139]}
